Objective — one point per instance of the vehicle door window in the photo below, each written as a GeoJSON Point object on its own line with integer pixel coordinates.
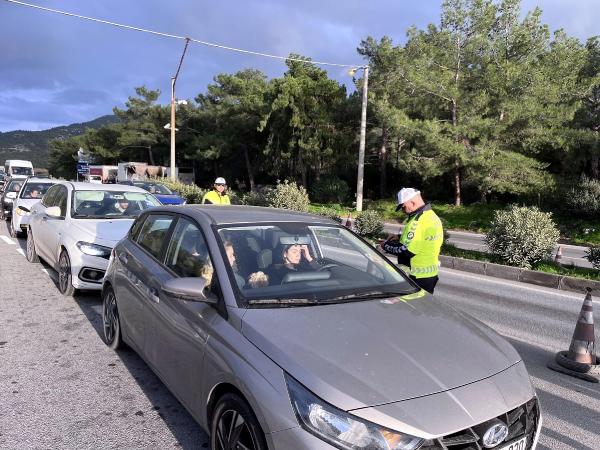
{"type": "Point", "coordinates": [136, 227]}
{"type": "Point", "coordinates": [61, 200]}
{"type": "Point", "coordinates": [48, 198]}
{"type": "Point", "coordinates": [153, 233]}
{"type": "Point", "coordinates": [187, 255]}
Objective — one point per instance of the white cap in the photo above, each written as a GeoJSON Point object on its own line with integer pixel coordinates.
{"type": "Point", "coordinates": [220, 180]}
{"type": "Point", "coordinates": [405, 194]}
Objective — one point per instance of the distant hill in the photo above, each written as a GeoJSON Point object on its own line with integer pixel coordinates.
{"type": "Point", "coordinates": [34, 145]}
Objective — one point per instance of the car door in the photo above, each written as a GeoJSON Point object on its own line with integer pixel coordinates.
{"type": "Point", "coordinates": [54, 226]}
{"type": "Point", "coordinates": [40, 222]}
{"type": "Point", "coordinates": [177, 344]}
{"type": "Point", "coordinates": [135, 280]}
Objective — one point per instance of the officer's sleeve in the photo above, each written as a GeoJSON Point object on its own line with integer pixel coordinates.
{"type": "Point", "coordinates": [396, 248]}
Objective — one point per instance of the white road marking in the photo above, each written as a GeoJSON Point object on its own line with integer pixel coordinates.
{"type": "Point", "coordinates": [7, 240]}
{"type": "Point", "coordinates": [513, 284]}
{"type": "Point", "coordinates": [20, 251]}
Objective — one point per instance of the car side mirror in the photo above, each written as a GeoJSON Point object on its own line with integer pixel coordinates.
{"type": "Point", "coordinates": [190, 289]}
{"type": "Point", "coordinates": [53, 211]}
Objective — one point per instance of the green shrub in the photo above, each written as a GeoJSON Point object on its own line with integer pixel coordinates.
{"type": "Point", "coordinates": [584, 198]}
{"type": "Point", "coordinates": [593, 256]}
{"type": "Point", "coordinates": [190, 192]}
{"type": "Point", "coordinates": [522, 236]}
{"type": "Point", "coordinates": [369, 223]}
{"type": "Point", "coordinates": [288, 195]}
{"type": "Point", "coordinates": [330, 189]}
{"type": "Point", "coordinates": [331, 213]}
{"type": "Point", "coordinates": [256, 198]}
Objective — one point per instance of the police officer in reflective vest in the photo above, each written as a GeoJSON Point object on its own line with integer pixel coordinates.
{"type": "Point", "coordinates": [421, 239]}
{"type": "Point", "coordinates": [217, 195]}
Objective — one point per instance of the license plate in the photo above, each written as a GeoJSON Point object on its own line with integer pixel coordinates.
{"type": "Point", "coordinates": [521, 444]}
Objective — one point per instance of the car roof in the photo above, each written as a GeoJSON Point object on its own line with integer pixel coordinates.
{"type": "Point", "coordinates": [236, 214]}
{"type": "Point", "coordinates": [81, 186]}
{"type": "Point", "coordinates": [41, 180]}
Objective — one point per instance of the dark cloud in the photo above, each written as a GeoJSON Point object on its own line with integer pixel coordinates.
{"type": "Point", "coordinates": [56, 69]}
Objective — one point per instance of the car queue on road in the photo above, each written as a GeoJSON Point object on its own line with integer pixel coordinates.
{"type": "Point", "coordinates": [281, 330]}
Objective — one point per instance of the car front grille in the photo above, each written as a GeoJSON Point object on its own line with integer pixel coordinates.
{"type": "Point", "coordinates": [521, 421]}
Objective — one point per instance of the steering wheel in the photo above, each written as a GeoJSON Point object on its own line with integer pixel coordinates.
{"type": "Point", "coordinates": [327, 266]}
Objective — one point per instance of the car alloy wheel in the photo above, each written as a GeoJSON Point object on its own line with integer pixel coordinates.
{"type": "Point", "coordinates": [32, 255]}
{"type": "Point", "coordinates": [110, 320]}
{"type": "Point", "coordinates": [65, 285]}
{"type": "Point", "coordinates": [234, 426]}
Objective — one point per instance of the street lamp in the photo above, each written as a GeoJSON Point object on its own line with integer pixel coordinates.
{"type": "Point", "coordinates": [363, 136]}
{"type": "Point", "coordinates": [173, 106]}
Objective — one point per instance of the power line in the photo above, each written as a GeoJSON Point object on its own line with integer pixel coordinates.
{"type": "Point", "coordinates": [174, 36]}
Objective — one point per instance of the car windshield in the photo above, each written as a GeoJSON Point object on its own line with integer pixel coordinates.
{"type": "Point", "coordinates": [299, 263]}
{"type": "Point", "coordinates": [21, 170]}
{"type": "Point", "coordinates": [35, 190]}
{"type": "Point", "coordinates": [154, 188]}
{"type": "Point", "coordinates": [110, 204]}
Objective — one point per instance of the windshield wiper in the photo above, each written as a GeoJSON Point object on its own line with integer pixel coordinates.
{"type": "Point", "coordinates": [283, 301]}
{"type": "Point", "coordinates": [364, 296]}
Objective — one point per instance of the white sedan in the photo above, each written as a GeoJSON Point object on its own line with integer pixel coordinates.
{"type": "Point", "coordinates": [76, 225]}
{"type": "Point", "coordinates": [31, 192]}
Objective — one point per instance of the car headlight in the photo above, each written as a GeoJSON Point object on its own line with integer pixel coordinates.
{"type": "Point", "coordinates": [343, 430]}
{"type": "Point", "coordinates": [94, 249]}
{"type": "Point", "coordinates": [22, 211]}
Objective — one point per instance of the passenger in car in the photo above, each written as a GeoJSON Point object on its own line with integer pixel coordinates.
{"type": "Point", "coordinates": [296, 258]}
{"type": "Point", "coordinates": [255, 279]}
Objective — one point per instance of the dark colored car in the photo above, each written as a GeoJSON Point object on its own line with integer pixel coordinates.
{"type": "Point", "coordinates": [164, 195]}
{"type": "Point", "coordinates": [286, 331]}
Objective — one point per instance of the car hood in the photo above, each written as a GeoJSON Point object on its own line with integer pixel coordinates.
{"type": "Point", "coordinates": [361, 354]}
{"type": "Point", "coordinates": [167, 199]}
{"type": "Point", "coordinates": [101, 231]}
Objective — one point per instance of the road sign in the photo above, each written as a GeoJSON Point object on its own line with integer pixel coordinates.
{"type": "Point", "coordinates": [82, 168]}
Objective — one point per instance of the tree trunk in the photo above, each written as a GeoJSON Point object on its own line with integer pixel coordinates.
{"type": "Point", "coordinates": [150, 156]}
{"type": "Point", "coordinates": [249, 169]}
{"type": "Point", "coordinates": [595, 166]}
{"type": "Point", "coordinates": [457, 199]}
{"type": "Point", "coordinates": [383, 156]}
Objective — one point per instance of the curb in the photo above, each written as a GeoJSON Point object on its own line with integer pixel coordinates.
{"type": "Point", "coordinates": [561, 282]}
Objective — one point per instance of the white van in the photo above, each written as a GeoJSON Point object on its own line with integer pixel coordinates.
{"type": "Point", "coordinates": [16, 168]}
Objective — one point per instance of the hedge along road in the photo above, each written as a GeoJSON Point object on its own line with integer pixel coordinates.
{"type": "Point", "coordinates": [571, 254]}
{"type": "Point", "coordinates": [61, 387]}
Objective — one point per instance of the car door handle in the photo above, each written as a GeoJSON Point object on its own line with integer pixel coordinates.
{"type": "Point", "coordinates": [123, 257]}
{"type": "Point", "coordinates": [44, 218]}
{"type": "Point", "coordinates": [154, 295]}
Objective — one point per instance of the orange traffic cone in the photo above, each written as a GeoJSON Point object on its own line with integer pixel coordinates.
{"type": "Point", "coordinates": [580, 361]}
{"type": "Point", "coordinates": [558, 256]}
{"type": "Point", "coordinates": [348, 223]}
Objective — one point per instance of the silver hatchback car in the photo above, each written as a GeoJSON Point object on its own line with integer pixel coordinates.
{"type": "Point", "coordinates": [283, 330]}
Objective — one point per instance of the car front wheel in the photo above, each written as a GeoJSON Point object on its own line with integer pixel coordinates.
{"type": "Point", "coordinates": [32, 255]}
{"type": "Point", "coordinates": [234, 426]}
{"type": "Point", "coordinates": [65, 280]}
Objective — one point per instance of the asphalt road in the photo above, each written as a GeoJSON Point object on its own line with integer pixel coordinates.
{"type": "Point", "coordinates": [538, 322]}
{"type": "Point", "coordinates": [571, 254]}
{"type": "Point", "coordinates": [62, 388]}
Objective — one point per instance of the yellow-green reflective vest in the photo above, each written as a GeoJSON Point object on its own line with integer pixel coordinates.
{"type": "Point", "coordinates": [215, 198]}
{"type": "Point", "coordinates": [423, 236]}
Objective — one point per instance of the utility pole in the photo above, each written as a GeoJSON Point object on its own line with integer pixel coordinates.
{"type": "Point", "coordinates": [361, 147]}
{"type": "Point", "coordinates": [173, 106]}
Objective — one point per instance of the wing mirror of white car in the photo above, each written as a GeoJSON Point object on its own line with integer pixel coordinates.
{"type": "Point", "coordinates": [190, 289]}
{"type": "Point", "coordinates": [53, 211]}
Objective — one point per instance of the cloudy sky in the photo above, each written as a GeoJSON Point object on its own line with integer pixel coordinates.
{"type": "Point", "coordinates": [56, 70]}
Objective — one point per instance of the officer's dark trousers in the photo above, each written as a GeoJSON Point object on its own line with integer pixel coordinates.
{"type": "Point", "coordinates": [426, 283]}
